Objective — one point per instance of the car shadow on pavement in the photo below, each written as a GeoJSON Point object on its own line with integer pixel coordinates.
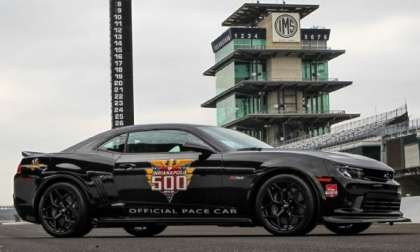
{"type": "Point", "coordinates": [224, 236]}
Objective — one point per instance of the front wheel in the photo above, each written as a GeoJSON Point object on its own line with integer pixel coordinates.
{"type": "Point", "coordinates": [347, 229]}
{"type": "Point", "coordinates": [145, 230]}
{"type": "Point", "coordinates": [285, 205]}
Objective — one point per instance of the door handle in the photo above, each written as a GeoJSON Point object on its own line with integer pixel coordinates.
{"type": "Point", "coordinates": [127, 166]}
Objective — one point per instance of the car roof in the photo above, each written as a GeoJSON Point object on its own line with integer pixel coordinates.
{"type": "Point", "coordinates": [99, 138]}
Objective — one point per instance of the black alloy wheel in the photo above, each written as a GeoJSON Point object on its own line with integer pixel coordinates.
{"type": "Point", "coordinates": [347, 229]}
{"type": "Point", "coordinates": [285, 205]}
{"type": "Point", "coordinates": [145, 230]}
{"type": "Point", "coordinates": [63, 211]}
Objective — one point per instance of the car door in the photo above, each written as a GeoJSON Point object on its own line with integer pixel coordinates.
{"type": "Point", "coordinates": [156, 176]}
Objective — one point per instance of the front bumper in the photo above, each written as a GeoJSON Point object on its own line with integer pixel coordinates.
{"type": "Point", "coordinates": [362, 201]}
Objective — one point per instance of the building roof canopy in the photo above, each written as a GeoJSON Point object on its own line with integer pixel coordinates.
{"type": "Point", "coordinates": [310, 119]}
{"type": "Point", "coordinates": [250, 87]}
{"type": "Point", "coordinates": [250, 14]}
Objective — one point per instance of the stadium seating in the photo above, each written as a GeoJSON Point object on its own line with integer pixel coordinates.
{"type": "Point", "coordinates": [372, 126]}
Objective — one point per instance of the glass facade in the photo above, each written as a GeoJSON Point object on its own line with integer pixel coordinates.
{"type": "Point", "coordinates": [235, 107]}
{"type": "Point", "coordinates": [257, 133]}
{"type": "Point", "coordinates": [238, 106]}
{"type": "Point", "coordinates": [226, 110]}
{"type": "Point", "coordinates": [250, 71]}
{"type": "Point", "coordinates": [246, 105]}
{"type": "Point", "coordinates": [314, 44]}
{"type": "Point", "coordinates": [239, 44]}
{"type": "Point", "coordinates": [319, 131]}
{"type": "Point", "coordinates": [314, 70]}
{"type": "Point", "coordinates": [225, 78]}
{"type": "Point", "coordinates": [235, 72]}
{"type": "Point", "coordinates": [225, 51]}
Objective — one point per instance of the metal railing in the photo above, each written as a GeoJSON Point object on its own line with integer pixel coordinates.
{"type": "Point", "coordinates": [401, 129]}
{"type": "Point", "coordinates": [262, 77]}
{"type": "Point", "coordinates": [264, 111]}
{"type": "Point", "coordinates": [328, 140]}
{"type": "Point", "coordinates": [407, 172]}
{"type": "Point", "coordinates": [315, 47]}
{"type": "Point", "coordinates": [248, 46]}
{"type": "Point", "coordinates": [303, 79]}
{"type": "Point", "coordinates": [375, 119]}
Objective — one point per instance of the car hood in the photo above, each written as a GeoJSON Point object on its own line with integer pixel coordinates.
{"type": "Point", "coordinates": [344, 158]}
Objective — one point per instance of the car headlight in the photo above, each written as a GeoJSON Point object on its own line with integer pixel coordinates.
{"type": "Point", "coordinates": [351, 172]}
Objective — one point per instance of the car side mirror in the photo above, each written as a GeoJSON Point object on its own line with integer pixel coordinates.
{"type": "Point", "coordinates": [203, 149]}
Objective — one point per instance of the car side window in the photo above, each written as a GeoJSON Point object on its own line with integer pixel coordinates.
{"type": "Point", "coordinates": [116, 144]}
{"type": "Point", "coordinates": [171, 141]}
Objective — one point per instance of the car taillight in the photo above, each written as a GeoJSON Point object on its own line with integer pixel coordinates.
{"type": "Point", "coordinates": [19, 169]}
{"type": "Point", "coordinates": [331, 190]}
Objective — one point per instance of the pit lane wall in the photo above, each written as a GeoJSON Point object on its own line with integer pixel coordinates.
{"type": "Point", "coordinates": [410, 206]}
{"type": "Point", "coordinates": [8, 214]}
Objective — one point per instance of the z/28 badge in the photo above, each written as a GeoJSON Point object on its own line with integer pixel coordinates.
{"type": "Point", "coordinates": [170, 176]}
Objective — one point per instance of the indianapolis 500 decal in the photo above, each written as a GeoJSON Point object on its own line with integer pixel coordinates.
{"type": "Point", "coordinates": [170, 176]}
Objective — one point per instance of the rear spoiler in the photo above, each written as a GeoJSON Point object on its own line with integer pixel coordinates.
{"type": "Point", "coordinates": [31, 153]}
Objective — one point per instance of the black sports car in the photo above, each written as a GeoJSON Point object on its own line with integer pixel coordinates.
{"type": "Point", "coordinates": [143, 178]}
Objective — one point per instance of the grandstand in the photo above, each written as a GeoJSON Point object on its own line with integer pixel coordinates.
{"type": "Point", "coordinates": [402, 129]}
{"type": "Point", "coordinates": [357, 130]}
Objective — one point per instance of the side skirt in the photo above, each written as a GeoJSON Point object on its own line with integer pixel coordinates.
{"type": "Point", "coordinates": [118, 222]}
{"type": "Point", "coordinates": [373, 219]}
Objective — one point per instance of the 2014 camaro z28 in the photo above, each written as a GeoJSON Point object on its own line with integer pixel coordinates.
{"type": "Point", "coordinates": [144, 178]}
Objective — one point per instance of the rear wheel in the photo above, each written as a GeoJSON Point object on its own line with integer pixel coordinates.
{"type": "Point", "coordinates": [347, 229]}
{"type": "Point", "coordinates": [63, 211]}
{"type": "Point", "coordinates": [145, 230]}
{"type": "Point", "coordinates": [285, 205]}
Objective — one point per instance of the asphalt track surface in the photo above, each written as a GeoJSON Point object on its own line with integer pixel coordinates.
{"type": "Point", "coordinates": [31, 238]}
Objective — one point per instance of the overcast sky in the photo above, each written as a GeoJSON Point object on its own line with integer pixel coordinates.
{"type": "Point", "coordinates": [54, 65]}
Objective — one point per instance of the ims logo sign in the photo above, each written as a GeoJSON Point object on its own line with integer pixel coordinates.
{"type": "Point", "coordinates": [286, 27]}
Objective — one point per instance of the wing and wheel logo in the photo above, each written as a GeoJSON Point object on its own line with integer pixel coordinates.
{"type": "Point", "coordinates": [286, 26]}
{"type": "Point", "coordinates": [170, 176]}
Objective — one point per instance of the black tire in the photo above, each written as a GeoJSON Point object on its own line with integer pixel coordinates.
{"type": "Point", "coordinates": [285, 205]}
{"type": "Point", "coordinates": [145, 230]}
{"type": "Point", "coordinates": [63, 211]}
{"type": "Point", "coordinates": [347, 229]}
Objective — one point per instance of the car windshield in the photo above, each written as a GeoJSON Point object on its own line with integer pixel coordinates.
{"type": "Point", "coordinates": [235, 139]}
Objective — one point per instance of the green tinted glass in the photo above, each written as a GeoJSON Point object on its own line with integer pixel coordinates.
{"type": "Point", "coordinates": [239, 44]}
{"type": "Point", "coordinates": [226, 110]}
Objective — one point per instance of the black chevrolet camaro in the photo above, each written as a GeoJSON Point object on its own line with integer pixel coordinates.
{"type": "Point", "coordinates": [144, 178]}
